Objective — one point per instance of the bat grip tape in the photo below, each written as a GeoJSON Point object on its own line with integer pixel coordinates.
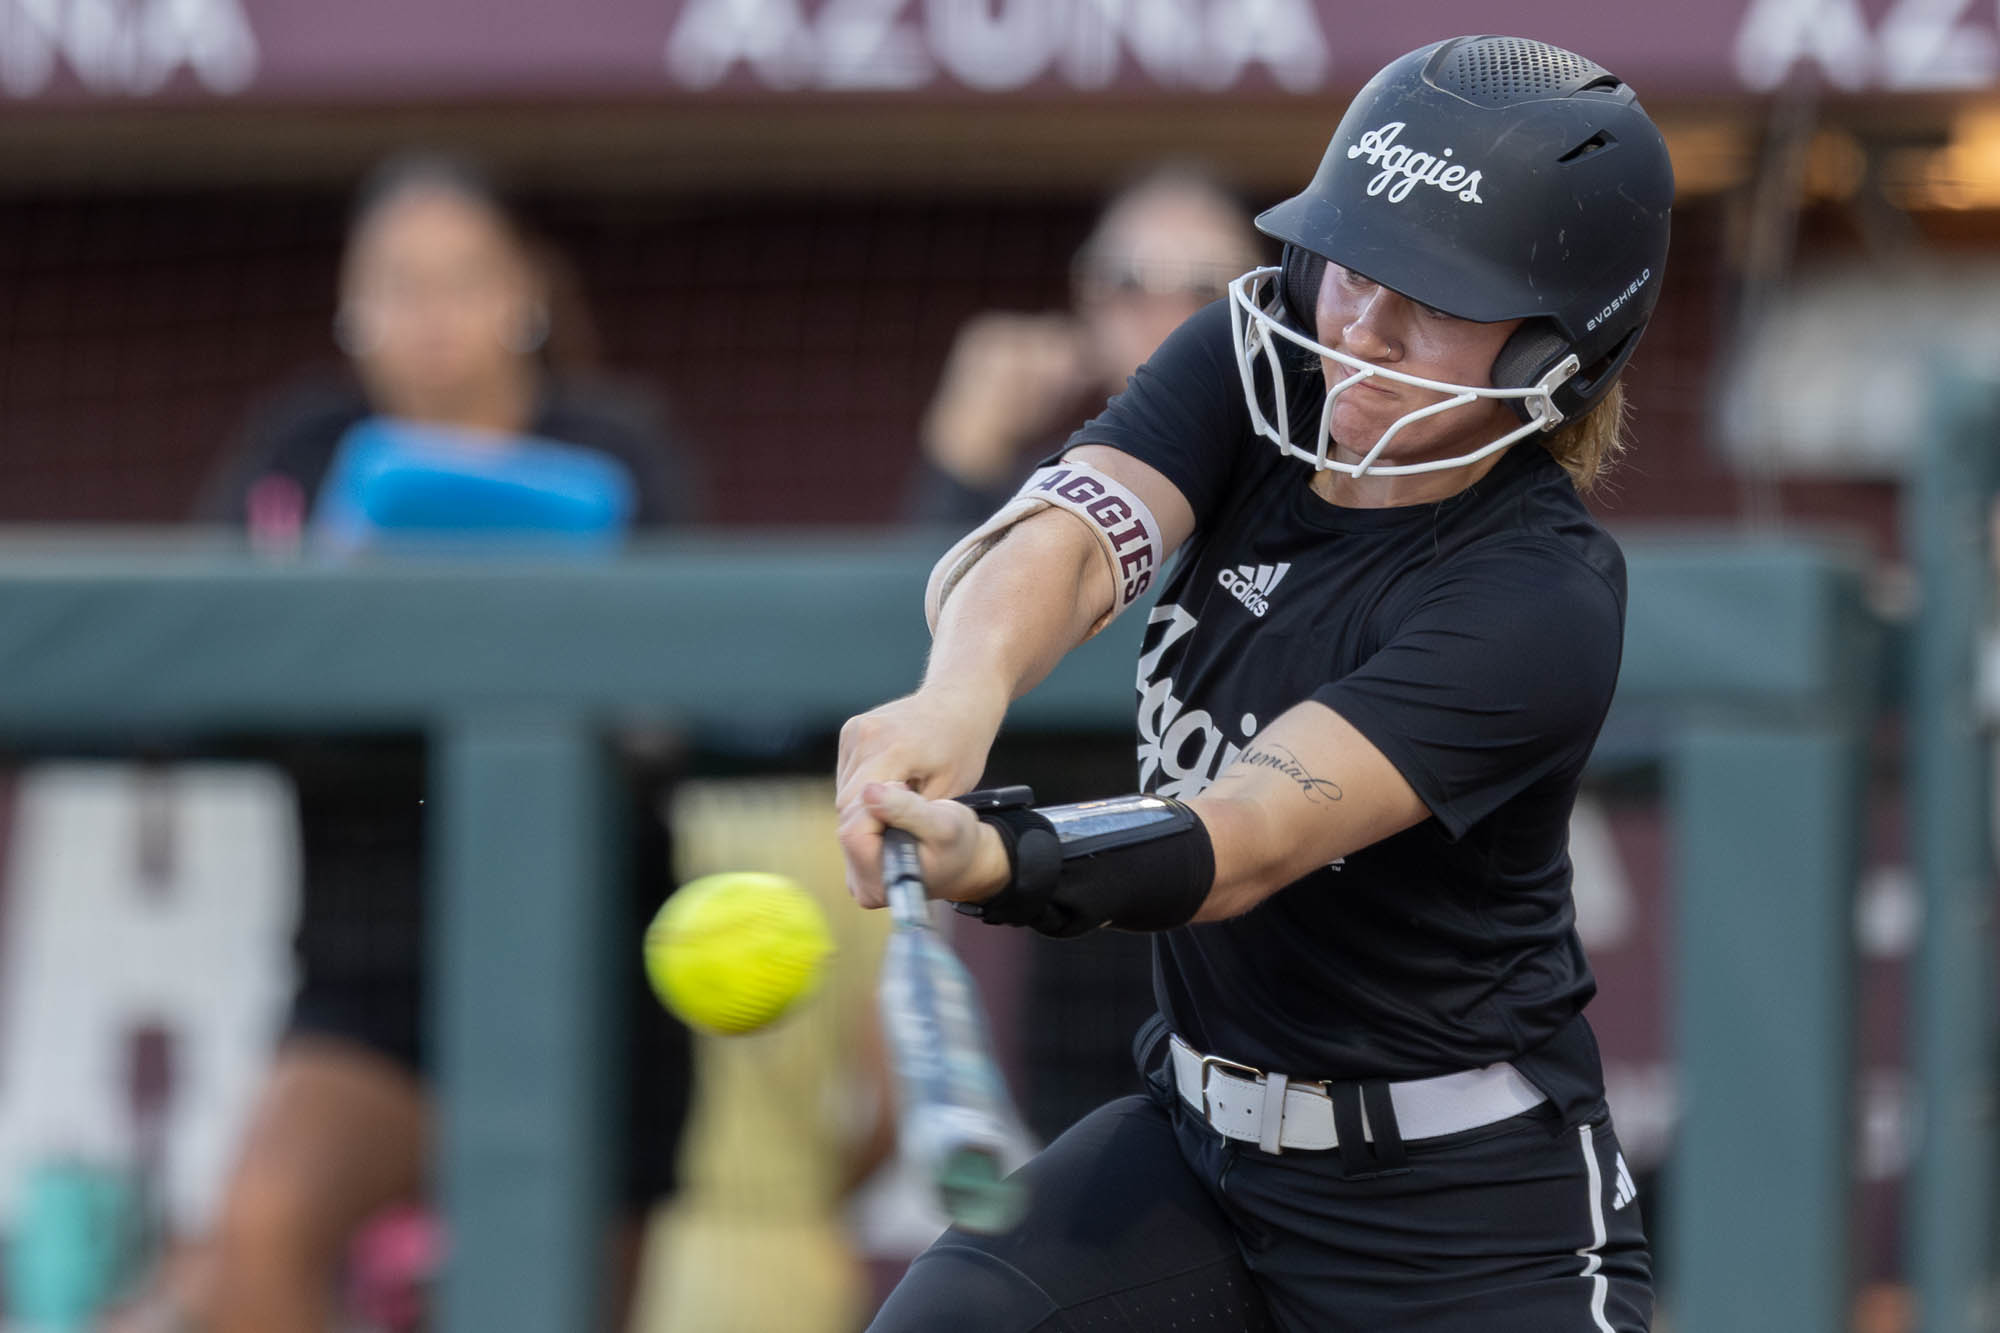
{"type": "Point", "coordinates": [1133, 863]}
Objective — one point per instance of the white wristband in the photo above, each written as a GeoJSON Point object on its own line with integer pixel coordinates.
{"type": "Point", "coordinates": [1126, 533]}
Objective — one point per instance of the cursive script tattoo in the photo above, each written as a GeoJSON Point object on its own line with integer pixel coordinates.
{"type": "Point", "coordinates": [1280, 760]}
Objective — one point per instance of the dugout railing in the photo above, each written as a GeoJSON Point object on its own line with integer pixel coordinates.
{"type": "Point", "coordinates": [1949, 520]}
{"type": "Point", "coordinates": [1749, 673]}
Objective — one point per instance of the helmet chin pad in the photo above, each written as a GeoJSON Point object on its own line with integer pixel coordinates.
{"type": "Point", "coordinates": [1535, 349]}
{"type": "Point", "coordinates": [1528, 355]}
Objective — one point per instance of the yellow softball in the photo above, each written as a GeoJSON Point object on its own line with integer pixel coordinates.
{"type": "Point", "coordinates": [732, 952]}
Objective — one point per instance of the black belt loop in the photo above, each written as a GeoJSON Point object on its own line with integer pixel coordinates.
{"type": "Point", "coordinates": [1388, 1135]}
{"type": "Point", "coordinates": [1355, 1159]}
{"type": "Point", "coordinates": [1146, 1041]}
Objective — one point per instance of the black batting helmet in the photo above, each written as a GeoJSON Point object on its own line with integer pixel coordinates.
{"type": "Point", "coordinates": [1495, 178]}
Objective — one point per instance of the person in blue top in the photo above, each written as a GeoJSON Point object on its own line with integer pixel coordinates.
{"type": "Point", "coordinates": [453, 328]}
{"type": "Point", "coordinates": [1367, 694]}
{"type": "Point", "coordinates": [452, 320]}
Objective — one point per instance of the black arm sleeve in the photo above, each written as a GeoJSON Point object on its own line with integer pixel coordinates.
{"type": "Point", "coordinates": [1498, 677]}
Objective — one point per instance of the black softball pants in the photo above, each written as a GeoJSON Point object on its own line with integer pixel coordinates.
{"type": "Point", "coordinates": [1145, 1219]}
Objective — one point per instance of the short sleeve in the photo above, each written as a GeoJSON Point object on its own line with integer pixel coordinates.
{"type": "Point", "coordinates": [1182, 412]}
{"type": "Point", "coordinates": [1498, 676]}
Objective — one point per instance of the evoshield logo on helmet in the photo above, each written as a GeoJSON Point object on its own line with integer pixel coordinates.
{"type": "Point", "coordinates": [1409, 168]}
{"type": "Point", "coordinates": [1630, 291]}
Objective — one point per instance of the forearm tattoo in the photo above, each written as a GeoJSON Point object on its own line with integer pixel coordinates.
{"type": "Point", "coordinates": [1280, 760]}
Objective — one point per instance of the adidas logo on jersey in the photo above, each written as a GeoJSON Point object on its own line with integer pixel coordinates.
{"type": "Point", "coordinates": [1628, 1189]}
{"type": "Point", "coordinates": [1252, 585]}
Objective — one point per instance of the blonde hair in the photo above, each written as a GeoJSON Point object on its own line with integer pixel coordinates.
{"type": "Point", "coordinates": [1590, 446]}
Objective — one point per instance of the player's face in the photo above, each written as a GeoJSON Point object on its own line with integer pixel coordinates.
{"type": "Point", "coordinates": [1374, 324]}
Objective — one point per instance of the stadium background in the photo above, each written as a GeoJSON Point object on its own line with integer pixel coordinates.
{"type": "Point", "coordinates": [784, 244]}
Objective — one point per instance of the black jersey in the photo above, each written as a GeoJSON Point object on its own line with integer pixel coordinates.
{"type": "Point", "coordinates": [1474, 641]}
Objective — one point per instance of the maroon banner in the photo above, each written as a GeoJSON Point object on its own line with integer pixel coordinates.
{"type": "Point", "coordinates": [84, 51]}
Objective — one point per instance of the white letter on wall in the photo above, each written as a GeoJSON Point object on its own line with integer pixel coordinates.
{"type": "Point", "coordinates": [100, 948]}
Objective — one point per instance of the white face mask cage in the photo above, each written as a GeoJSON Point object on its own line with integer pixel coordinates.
{"type": "Point", "coordinates": [1254, 317]}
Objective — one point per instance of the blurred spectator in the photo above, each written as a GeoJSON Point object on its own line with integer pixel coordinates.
{"type": "Point", "coordinates": [1015, 385]}
{"type": "Point", "coordinates": [451, 317]}
{"type": "Point", "coordinates": [455, 323]}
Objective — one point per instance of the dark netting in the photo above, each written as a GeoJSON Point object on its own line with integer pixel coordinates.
{"type": "Point", "coordinates": [796, 338]}
{"type": "Point", "coordinates": [1499, 71]}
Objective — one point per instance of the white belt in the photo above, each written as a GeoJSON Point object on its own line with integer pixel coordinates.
{"type": "Point", "coordinates": [1273, 1112]}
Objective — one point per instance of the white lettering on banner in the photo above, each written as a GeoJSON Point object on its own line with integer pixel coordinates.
{"type": "Point", "coordinates": [1925, 46]}
{"type": "Point", "coordinates": [769, 36]}
{"type": "Point", "coordinates": [1777, 34]}
{"type": "Point", "coordinates": [862, 46]}
{"type": "Point", "coordinates": [1284, 36]}
{"type": "Point", "coordinates": [994, 45]}
{"type": "Point", "coordinates": [1162, 35]}
{"type": "Point", "coordinates": [125, 47]}
{"type": "Point", "coordinates": [1921, 44]}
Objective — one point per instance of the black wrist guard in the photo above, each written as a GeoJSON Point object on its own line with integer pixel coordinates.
{"type": "Point", "coordinates": [1133, 862]}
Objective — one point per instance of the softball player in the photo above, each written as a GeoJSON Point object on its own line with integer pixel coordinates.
{"type": "Point", "coordinates": [1366, 697]}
